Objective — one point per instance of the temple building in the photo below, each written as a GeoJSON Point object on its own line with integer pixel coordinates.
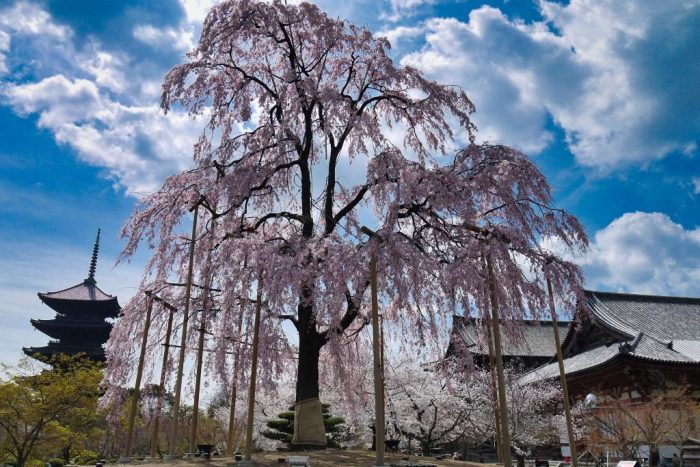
{"type": "Point", "coordinates": [632, 360]}
{"type": "Point", "coordinates": [626, 340]}
{"type": "Point", "coordinates": [630, 341]}
{"type": "Point", "coordinates": [79, 325]}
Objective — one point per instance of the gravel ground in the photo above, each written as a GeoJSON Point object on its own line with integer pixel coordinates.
{"type": "Point", "coordinates": [326, 458]}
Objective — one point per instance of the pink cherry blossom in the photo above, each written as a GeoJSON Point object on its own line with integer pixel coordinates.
{"type": "Point", "coordinates": [289, 94]}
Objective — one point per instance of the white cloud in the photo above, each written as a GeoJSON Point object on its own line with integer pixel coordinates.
{"type": "Point", "coordinates": [696, 185]}
{"type": "Point", "coordinates": [638, 52]}
{"type": "Point", "coordinates": [396, 34]}
{"type": "Point", "coordinates": [196, 10]}
{"type": "Point", "coordinates": [503, 67]}
{"type": "Point", "coordinates": [4, 48]}
{"type": "Point", "coordinates": [643, 253]}
{"type": "Point", "coordinates": [408, 4]}
{"type": "Point", "coordinates": [139, 145]}
{"type": "Point", "coordinates": [619, 80]}
{"type": "Point", "coordinates": [28, 18]}
{"type": "Point", "coordinates": [105, 68]}
{"type": "Point", "coordinates": [91, 106]}
{"type": "Point", "coordinates": [402, 8]}
{"type": "Point", "coordinates": [58, 99]}
{"type": "Point", "coordinates": [165, 37]}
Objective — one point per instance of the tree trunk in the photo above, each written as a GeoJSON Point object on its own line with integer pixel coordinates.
{"type": "Point", "coordinates": [307, 369]}
{"type": "Point", "coordinates": [309, 432]}
{"type": "Point", "coordinates": [425, 447]}
{"type": "Point", "coordinates": [21, 458]}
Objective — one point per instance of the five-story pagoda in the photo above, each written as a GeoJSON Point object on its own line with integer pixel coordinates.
{"type": "Point", "coordinates": [79, 325]}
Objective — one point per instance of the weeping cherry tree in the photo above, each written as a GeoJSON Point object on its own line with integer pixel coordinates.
{"type": "Point", "coordinates": [318, 153]}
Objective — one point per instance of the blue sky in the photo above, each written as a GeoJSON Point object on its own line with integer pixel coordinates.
{"type": "Point", "coordinates": [603, 94]}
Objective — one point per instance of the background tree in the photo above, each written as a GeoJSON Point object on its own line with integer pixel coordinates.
{"type": "Point", "coordinates": [43, 411]}
{"type": "Point", "coordinates": [320, 152]}
{"type": "Point", "coordinates": [448, 407]}
{"type": "Point", "coordinates": [426, 406]}
{"type": "Point", "coordinates": [626, 425]}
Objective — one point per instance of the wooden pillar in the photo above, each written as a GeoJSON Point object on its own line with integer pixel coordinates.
{"type": "Point", "coordinates": [230, 449]}
{"type": "Point", "coordinates": [494, 392]}
{"type": "Point", "coordinates": [198, 375]}
{"type": "Point", "coordinates": [183, 341]}
{"type": "Point", "coordinates": [253, 373]}
{"type": "Point", "coordinates": [161, 386]}
{"type": "Point", "coordinates": [562, 375]}
{"type": "Point", "coordinates": [378, 376]}
{"type": "Point", "coordinates": [126, 457]}
{"type": "Point", "coordinates": [234, 391]}
{"type": "Point", "coordinates": [381, 361]}
{"type": "Point", "coordinates": [496, 328]}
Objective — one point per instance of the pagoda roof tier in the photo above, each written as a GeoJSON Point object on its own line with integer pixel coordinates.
{"type": "Point", "coordinates": [66, 329]}
{"type": "Point", "coordinates": [84, 300]}
{"type": "Point", "coordinates": [94, 352]}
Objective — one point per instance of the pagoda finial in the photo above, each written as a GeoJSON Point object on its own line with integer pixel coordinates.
{"type": "Point", "coordinates": [93, 262]}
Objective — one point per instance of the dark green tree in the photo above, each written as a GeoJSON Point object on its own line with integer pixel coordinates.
{"type": "Point", "coordinates": [282, 428]}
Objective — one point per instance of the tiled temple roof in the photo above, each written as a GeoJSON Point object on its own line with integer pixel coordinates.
{"type": "Point", "coordinates": [665, 318]}
{"type": "Point", "coordinates": [652, 328]}
{"type": "Point", "coordinates": [531, 339]}
{"type": "Point", "coordinates": [85, 291]}
{"type": "Point", "coordinates": [643, 347]}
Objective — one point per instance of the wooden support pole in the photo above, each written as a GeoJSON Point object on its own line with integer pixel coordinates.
{"type": "Point", "coordinates": [381, 359]}
{"type": "Point", "coordinates": [198, 375]}
{"type": "Point", "coordinates": [562, 375]}
{"type": "Point", "coordinates": [230, 449]}
{"type": "Point", "coordinates": [378, 376]}
{"type": "Point", "coordinates": [183, 339]}
{"type": "Point", "coordinates": [126, 457]}
{"type": "Point", "coordinates": [253, 373]}
{"type": "Point", "coordinates": [161, 386]}
{"type": "Point", "coordinates": [496, 328]}
{"type": "Point", "coordinates": [494, 392]}
{"type": "Point", "coordinates": [200, 345]}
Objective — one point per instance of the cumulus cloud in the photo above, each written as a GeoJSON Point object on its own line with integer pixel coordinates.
{"type": "Point", "coordinates": [24, 21]}
{"type": "Point", "coordinates": [58, 99]}
{"type": "Point", "coordinates": [181, 39]}
{"type": "Point", "coordinates": [399, 33]}
{"type": "Point", "coordinates": [91, 107]}
{"type": "Point", "coordinates": [29, 18]}
{"type": "Point", "coordinates": [644, 253]}
{"type": "Point", "coordinates": [504, 67]}
{"type": "Point", "coordinates": [105, 68]}
{"type": "Point", "coordinates": [139, 145]}
{"type": "Point", "coordinates": [617, 76]}
{"type": "Point", "coordinates": [401, 8]}
{"type": "Point", "coordinates": [196, 10]}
